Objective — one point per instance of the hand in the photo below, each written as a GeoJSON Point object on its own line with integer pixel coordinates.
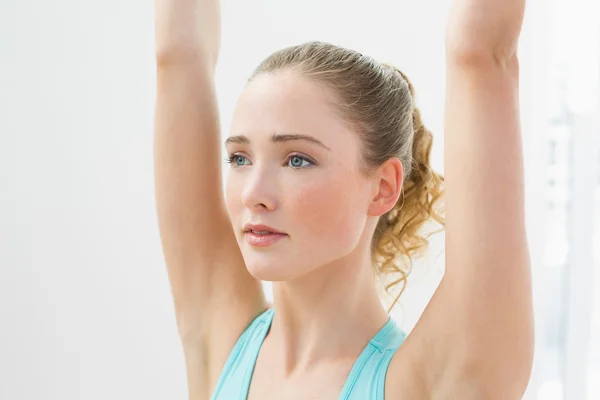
{"type": "Point", "coordinates": [489, 26]}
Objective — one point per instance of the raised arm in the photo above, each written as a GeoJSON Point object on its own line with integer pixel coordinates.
{"type": "Point", "coordinates": [488, 274]}
{"type": "Point", "coordinates": [214, 295]}
{"type": "Point", "coordinates": [476, 334]}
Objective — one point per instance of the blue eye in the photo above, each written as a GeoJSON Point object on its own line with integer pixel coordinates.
{"type": "Point", "coordinates": [298, 162]}
{"type": "Point", "coordinates": [294, 161]}
{"type": "Point", "coordinates": [236, 160]}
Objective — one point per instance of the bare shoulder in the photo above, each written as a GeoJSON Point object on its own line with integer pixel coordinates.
{"type": "Point", "coordinates": [441, 360]}
{"type": "Point", "coordinates": [409, 377]}
{"type": "Point", "coordinates": [212, 320]}
{"type": "Point", "coordinates": [423, 368]}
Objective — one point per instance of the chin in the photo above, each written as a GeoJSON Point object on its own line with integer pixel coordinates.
{"type": "Point", "coordinates": [270, 268]}
{"type": "Point", "coordinates": [267, 271]}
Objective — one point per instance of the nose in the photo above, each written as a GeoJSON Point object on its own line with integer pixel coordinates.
{"type": "Point", "coordinates": [260, 190]}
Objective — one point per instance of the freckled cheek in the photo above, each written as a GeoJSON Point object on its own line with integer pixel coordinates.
{"type": "Point", "coordinates": [324, 208]}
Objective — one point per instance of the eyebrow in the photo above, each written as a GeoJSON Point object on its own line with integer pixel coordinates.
{"type": "Point", "coordinates": [278, 138]}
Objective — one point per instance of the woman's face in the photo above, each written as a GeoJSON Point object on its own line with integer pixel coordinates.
{"type": "Point", "coordinates": [309, 188]}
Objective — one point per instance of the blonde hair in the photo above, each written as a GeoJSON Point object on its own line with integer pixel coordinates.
{"type": "Point", "coordinates": [377, 100]}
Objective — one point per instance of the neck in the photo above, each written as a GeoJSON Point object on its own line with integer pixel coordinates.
{"type": "Point", "coordinates": [329, 314]}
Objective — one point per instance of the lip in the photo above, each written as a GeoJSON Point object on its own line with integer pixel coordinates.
{"type": "Point", "coordinates": [260, 228]}
{"type": "Point", "coordinates": [258, 240]}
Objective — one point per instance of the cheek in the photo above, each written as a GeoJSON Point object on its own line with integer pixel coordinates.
{"type": "Point", "coordinates": [330, 211]}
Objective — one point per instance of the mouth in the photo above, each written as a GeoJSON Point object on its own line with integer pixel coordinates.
{"type": "Point", "coordinates": [262, 235]}
{"type": "Point", "coordinates": [260, 229]}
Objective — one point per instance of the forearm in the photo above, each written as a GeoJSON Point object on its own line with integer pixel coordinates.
{"type": "Point", "coordinates": [186, 29]}
{"type": "Point", "coordinates": [484, 27]}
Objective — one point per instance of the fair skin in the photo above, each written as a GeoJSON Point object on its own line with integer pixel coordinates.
{"type": "Point", "coordinates": [475, 338]}
{"type": "Point", "coordinates": [323, 286]}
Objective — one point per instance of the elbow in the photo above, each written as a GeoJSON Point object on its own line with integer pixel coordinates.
{"type": "Point", "coordinates": [178, 55]}
{"type": "Point", "coordinates": [474, 57]}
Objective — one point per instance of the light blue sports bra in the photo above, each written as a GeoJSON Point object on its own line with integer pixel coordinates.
{"type": "Point", "coordinates": [366, 380]}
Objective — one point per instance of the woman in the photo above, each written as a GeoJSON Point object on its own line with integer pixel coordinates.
{"type": "Point", "coordinates": [330, 179]}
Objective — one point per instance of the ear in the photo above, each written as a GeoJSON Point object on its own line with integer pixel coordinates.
{"type": "Point", "coordinates": [387, 187]}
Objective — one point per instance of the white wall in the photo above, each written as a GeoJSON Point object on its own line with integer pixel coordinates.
{"type": "Point", "coordinates": [85, 307]}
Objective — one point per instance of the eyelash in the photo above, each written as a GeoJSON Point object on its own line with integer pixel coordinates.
{"type": "Point", "coordinates": [231, 158]}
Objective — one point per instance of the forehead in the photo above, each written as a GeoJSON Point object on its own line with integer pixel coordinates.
{"type": "Point", "coordinates": [287, 102]}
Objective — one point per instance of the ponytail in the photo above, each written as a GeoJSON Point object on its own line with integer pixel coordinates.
{"type": "Point", "coordinates": [397, 234]}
